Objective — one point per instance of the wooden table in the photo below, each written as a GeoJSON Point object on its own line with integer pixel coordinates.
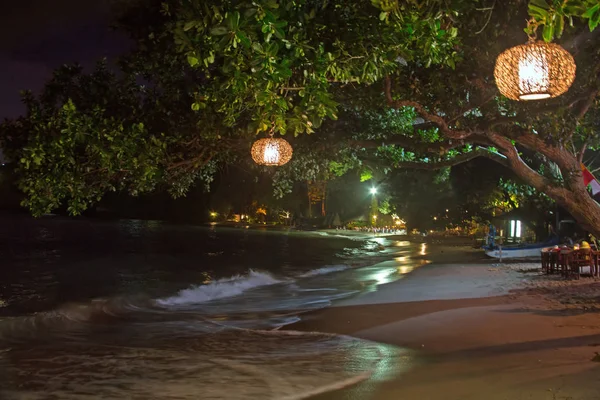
{"type": "Point", "coordinates": [549, 261]}
{"type": "Point", "coordinates": [571, 262]}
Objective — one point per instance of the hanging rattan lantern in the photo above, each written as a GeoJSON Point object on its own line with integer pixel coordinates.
{"type": "Point", "coordinates": [534, 71]}
{"type": "Point", "coordinates": [271, 152]}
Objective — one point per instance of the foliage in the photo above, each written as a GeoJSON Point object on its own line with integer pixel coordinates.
{"type": "Point", "coordinates": [553, 15]}
{"type": "Point", "coordinates": [216, 73]}
{"type": "Point", "coordinates": [541, 142]}
{"type": "Point", "coordinates": [276, 65]}
{"type": "Point", "coordinates": [89, 134]}
{"type": "Point", "coordinates": [118, 156]}
{"type": "Point", "coordinates": [385, 207]}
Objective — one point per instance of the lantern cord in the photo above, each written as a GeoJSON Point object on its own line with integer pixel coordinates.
{"type": "Point", "coordinates": [531, 30]}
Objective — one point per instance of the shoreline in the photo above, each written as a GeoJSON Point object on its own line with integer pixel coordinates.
{"type": "Point", "coordinates": [476, 330]}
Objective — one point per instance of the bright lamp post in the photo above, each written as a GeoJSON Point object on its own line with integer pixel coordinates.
{"type": "Point", "coordinates": [374, 205]}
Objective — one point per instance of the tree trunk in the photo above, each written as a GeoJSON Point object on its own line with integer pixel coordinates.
{"type": "Point", "coordinates": [309, 203]}
{"type": "Point", "coordinates": [323, 210]}
{"type": "Point", "coordinates": [574, 197]}
{"type": "Point", "coordinates": [584, 209]}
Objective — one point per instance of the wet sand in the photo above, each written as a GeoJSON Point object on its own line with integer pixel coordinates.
{"type": "Point", "coordinates": [474, 330]}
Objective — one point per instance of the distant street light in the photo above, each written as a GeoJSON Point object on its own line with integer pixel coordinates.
{"type": "Point", "coordinates": [373, 190]}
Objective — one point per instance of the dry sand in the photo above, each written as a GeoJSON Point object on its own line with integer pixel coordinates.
{"type": "Point", "coordinates": [474, 331]}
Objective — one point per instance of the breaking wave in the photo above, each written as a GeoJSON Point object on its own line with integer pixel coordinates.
{"type": "Point", "coordinates": [221, 288]}
{"type": "Point", "coordinates": [325, 270]}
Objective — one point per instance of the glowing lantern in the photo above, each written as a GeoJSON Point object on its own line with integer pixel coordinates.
{"type": "Point", "coordinates": [271, 152]}
{"type": "Point", "coordinates": [534, 71]}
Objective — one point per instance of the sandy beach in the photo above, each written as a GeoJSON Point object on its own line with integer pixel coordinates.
{"type": "Point", "coordinates": [472, 329]}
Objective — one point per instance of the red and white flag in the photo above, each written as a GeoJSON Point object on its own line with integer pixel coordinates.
{"type": "Point", "coordinates": [588, 179]}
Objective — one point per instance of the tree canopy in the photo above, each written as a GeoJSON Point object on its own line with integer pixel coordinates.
{"type": "Point", "coordinates": [378, 86]}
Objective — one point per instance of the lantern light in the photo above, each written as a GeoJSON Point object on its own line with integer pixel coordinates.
{"type": "Point", "coordinates": [534, 71]}
{"type": "Point", "coordinates": [271, 151]}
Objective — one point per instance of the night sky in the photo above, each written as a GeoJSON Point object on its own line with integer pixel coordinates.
{"type": "Point", "coordinates": [37, 36]}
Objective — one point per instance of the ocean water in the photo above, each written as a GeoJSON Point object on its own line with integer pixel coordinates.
{"type": "Point", "coordinates": [144, 310]}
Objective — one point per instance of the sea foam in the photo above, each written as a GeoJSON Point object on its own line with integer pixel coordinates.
{"type": "Point", "coordinates": [325, 270]}
{"type": "Point", "coordinates": [219, 289]}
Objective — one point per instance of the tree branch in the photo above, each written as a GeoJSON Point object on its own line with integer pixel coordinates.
{"type": "Point", "coordinates": [421, 147]}
{"type": "Point", "coordinates": [524, 171]}
{"type": "Point", "coordinates": [420, 109]}
{"type": "Point", "coordinates": [533, 142]}
{"type": "Point", "coordinates": [586, 100]}
{"type": "Point", "coordinates": [462, 112]}
{"type": "Point", "coordinates": [409, 144]}
{"type": "Point", "coordinates": [582, 151]}
{"type": "Point", "coordinates": [462, 158]}
{"type": "Point", "coordinates": [196, 160]}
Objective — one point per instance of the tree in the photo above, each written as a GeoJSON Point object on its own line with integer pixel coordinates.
{"type": "Point", "coordinates": [336, 220]}
{"type": "Point", "coordinates": [463, 117]}
{"type": "Point", "coordinates": [466, 109]}
{"type": "Point", "coordinates": [220, 72]}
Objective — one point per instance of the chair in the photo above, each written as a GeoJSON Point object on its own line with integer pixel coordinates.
{"type": "Point", "coordinates": [552, 261]}
{"type": "Point", "coordinates": [545, 261]}
{"type": "Point", "coordinates": [564, 261]}
{"type": "Point", "coordinates": [596, 262]}
{"type": "Point", "coordinates": [579, 259]}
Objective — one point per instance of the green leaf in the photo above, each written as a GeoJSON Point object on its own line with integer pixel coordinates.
{"type": "Point", "coordinates": [366, 175]}
{"type": "Point", "coordinates": [189, 25]}
{"type": "Point", "coordinates": [211, 57]}
{"type": "Point", "coordinates": [250, 12]}
{"type": "Point", "coordinates": [539, 3]}
{"type": "Point", "coordinates": [538, 13]}
{"type": "Point", "coordinates": [244, 39]}
{"type": "Point", "coordinates": [195, 106]}
{"type": "Point", "coordinates": [193, 61]}
{"type": "Point", "coordinates": [219, 31]}
{"type": "Point", "coordinates": [451, 63]}
{"type": "Point", "coordinates": [257, 47]}
{"type": "Point", "coordinates": [560, 27]}
{"type": "Point", "coordinates": [591, 11]}
{"type": "Point", "coordinates": [592, 24]}
{"type": "Point", "coordinates": [233, 20]}
{"type": "Point", "coordinates": [548, 33]}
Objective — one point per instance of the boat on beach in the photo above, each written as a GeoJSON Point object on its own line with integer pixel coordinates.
{"type": "Point", "coordinates": [518, 251]}
{"type": "Point", "coordinates": [531, 251]}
